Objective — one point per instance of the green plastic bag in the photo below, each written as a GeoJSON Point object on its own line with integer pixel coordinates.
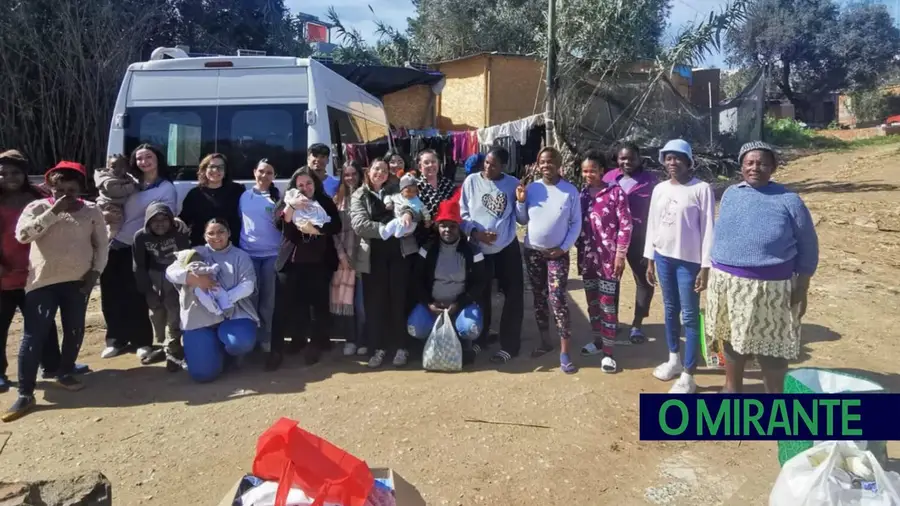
{"type": "Point", "coordinates": [713, 353]}
{"type": "Point", "coordinates": [811, 380]}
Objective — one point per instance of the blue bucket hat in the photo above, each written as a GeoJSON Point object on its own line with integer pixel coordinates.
{"type": "Point", "coordinates": [676, 146]}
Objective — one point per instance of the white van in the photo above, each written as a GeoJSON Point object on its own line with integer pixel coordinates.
{"type": "Point", "coordinates": [245, 107]}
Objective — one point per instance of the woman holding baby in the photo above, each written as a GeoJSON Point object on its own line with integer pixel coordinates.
{"type": "Point", "coordinates": [309, 221]}
{"type": "Point", "coordinates": [219, 319]}
{"type": "Point", "coordinates": [124, 306]}
{"type": "Point", "coordinates": [382, 260]}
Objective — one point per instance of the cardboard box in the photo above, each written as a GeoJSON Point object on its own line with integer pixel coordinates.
{"type": "Point", "coordinates": [404, 493]}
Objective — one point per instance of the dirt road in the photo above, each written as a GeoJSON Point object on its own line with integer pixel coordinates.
{"type": "Point", "coordinates": [165, 441]}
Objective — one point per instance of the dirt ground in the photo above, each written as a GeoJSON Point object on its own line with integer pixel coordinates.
{"type": "Point", "coordinates": [163, 440]}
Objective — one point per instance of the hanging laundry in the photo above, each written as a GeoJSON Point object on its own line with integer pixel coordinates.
{"type": "Point", "coordinates": [460, 145]}
{"type": "Point", "coordinates": [357, 153]}
{"type": "Point", "coordinates": [518, 130]}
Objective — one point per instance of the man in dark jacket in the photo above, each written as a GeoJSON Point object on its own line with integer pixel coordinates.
{"type": "Point", "coordinates": [450, 277]}
{"type": "Point", "coordinates": [154, 250]}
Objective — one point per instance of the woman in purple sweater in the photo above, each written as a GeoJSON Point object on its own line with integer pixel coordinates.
{"type": "Point", "coordinates": [764, 252]}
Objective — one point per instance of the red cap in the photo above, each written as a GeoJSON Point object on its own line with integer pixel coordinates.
{"type": "Point", "coordinates": [66, 165]}
{"type": "Point", "coordinates": [448, 210]}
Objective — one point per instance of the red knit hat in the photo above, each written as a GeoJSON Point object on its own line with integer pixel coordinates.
{"type": "Point", "coordinates": [66, 165]}
{"type": "Point", "coordinates": [448, 210]}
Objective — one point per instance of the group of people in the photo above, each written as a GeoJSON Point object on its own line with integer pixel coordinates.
{"type": "Point", "coordinates": [375, 255]}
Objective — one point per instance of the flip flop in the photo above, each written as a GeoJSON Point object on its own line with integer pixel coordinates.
{"type": "Point", "coordinates": [566, 365]}
{"type": "Point", "coordinates": [590, 350]}
{"type": "Point", "coordinates": [637, 336]}
{"type": "Point", "coordinates": [501, 357]}
{"type": "Point", "coordinates": [608, 365]}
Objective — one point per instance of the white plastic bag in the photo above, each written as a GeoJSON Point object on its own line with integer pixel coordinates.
{"type": "Point", "coordinates": [817, 477]}
{"type": "Point", "coordinates": [443, 351]}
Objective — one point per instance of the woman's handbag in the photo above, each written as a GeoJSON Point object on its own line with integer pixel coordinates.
{"type": "Point", "coordinates": [443, 351]}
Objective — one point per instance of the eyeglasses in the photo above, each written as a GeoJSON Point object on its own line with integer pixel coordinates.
{"type": "Point", "coordinates": [216, 166]}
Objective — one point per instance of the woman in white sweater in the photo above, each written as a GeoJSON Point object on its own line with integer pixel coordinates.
{"type": "Point", "coordinates": [679, 237]}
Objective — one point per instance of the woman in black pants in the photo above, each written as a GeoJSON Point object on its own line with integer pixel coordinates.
{"type": "Point", "coordinates": [304, 267]}
{"type": "Point", "coordinates": [384, 262]}
{"type": "Point", "coordinates": [124, 307]}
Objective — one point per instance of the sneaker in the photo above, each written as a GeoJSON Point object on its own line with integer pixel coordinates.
{"type": "Point", "coordinates": [684, 385]}
{"type": "Point", "coordinates": [155, 356]}
{"type": "Point", "coordinates": [401, 358]}
{"type": "Point", "coordinates": [4, 384]}
{"type": "Point", "coordinates": [20, 408]}
{"type": "Point", "coordinates": [377, 359]}
{"type": "Point", "coordinates": [667, 371]}
{"type": "Point", "coordinates": [69, 382]}
{"type": "Point", "coordinates": [362, 351]}
{"type": "Point", "coordinates": [111, 351]}
{"type": "Point", "coordinates": [349, 349]}
{"type": "Point", "coordinates": [173, 364]}
{"type": "Point", "coordinates": [144, 352]}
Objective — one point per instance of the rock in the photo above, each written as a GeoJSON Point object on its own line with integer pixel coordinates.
{"type": "Point", "coordinates": [88, 489]}
{"type": "Point", "coordinates": [851, 264]}
{"type": "Point", "coordinates": [866, 222]}
{"type": "Point", "coordinates": [889, 224]}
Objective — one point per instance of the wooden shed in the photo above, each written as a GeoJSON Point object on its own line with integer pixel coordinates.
{"type": "Point", "coordinates": [487, 89]}
{"type": "Point", "coordinates": [412, 107]}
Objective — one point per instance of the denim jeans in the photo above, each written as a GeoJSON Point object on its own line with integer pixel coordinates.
{"type": "Point", "coordinates": [265, 299]}
{"type": "Point", "coordinates": [205, 348]}
{"type": "Point", "coordinates": [682, 304]}
{"type": "Point", "coordinates": [41, 305]}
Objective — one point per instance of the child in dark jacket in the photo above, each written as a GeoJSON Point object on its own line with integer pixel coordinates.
{"type": "Point", "coordinates": [154, 250]}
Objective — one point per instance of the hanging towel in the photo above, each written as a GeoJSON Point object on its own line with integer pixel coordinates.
{"type": "Point", "coordinates": [518, 130]}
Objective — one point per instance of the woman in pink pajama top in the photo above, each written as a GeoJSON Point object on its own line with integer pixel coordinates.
{"type": "Point", "coordinates": [602, 249]}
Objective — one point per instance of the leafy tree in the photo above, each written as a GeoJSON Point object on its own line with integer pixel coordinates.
{"type": "Point", "coordinates": [447, 29]}
{"type": "Point", "coordinates": [224, 26]}
{"type": "Point", "coordinates": [814, 47]}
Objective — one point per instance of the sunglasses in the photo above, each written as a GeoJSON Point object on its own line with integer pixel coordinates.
{"type": "Point", "coordinates": [216, 166]}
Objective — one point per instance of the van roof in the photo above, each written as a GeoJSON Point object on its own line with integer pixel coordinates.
{"type": "Point", "coordinates": [197, 63]}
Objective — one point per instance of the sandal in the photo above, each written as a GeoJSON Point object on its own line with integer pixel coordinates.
{"type": "Point", "coordinates": [590, 350]}
{"type": "Point", "coordinates": [608, 365]}
{"type": "Point", "coordinates": [566, 365]}
{"type": "Point", "coordinates": [501, 357]}
{"type": "Point", "coordinates": [542, 350]}
{"type": "Point", "coordinates": [637, 336]}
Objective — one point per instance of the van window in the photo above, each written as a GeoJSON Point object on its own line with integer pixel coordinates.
{"type": "Point", "coordinates": [348, 128]}
{"type": "Point", "coordinates": [244, 134]}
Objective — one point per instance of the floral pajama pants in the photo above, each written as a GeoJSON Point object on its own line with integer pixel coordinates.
{"type": "Point", "coordinates": [603, 302]}
{"type": "Point", "coordinates": [548, 278]}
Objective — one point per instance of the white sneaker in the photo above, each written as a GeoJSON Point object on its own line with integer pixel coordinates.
{"type": "Point", "coordinates": [684, 385]}
{"type": "Point", "coordinates": [349, 349]}
{"type": "Point", "coordinates": [362, 351]}
{"type": "Point", "coordinates": [143, 352]}
{"type": "Point", "coordinates": [110, 352]}
{"type": "Point", "coordinates": [667, 371]}
{"type": "Point", "coordinates": [401, 358]}
{"type": "Point", "coordinates": [377, 359]}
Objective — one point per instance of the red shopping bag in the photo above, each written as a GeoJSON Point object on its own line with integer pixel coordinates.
{"type": "Point", "coordinates": [295, 458]}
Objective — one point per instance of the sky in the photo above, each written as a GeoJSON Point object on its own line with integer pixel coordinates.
{"type": "Point", "coordinates": [356, 14]}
